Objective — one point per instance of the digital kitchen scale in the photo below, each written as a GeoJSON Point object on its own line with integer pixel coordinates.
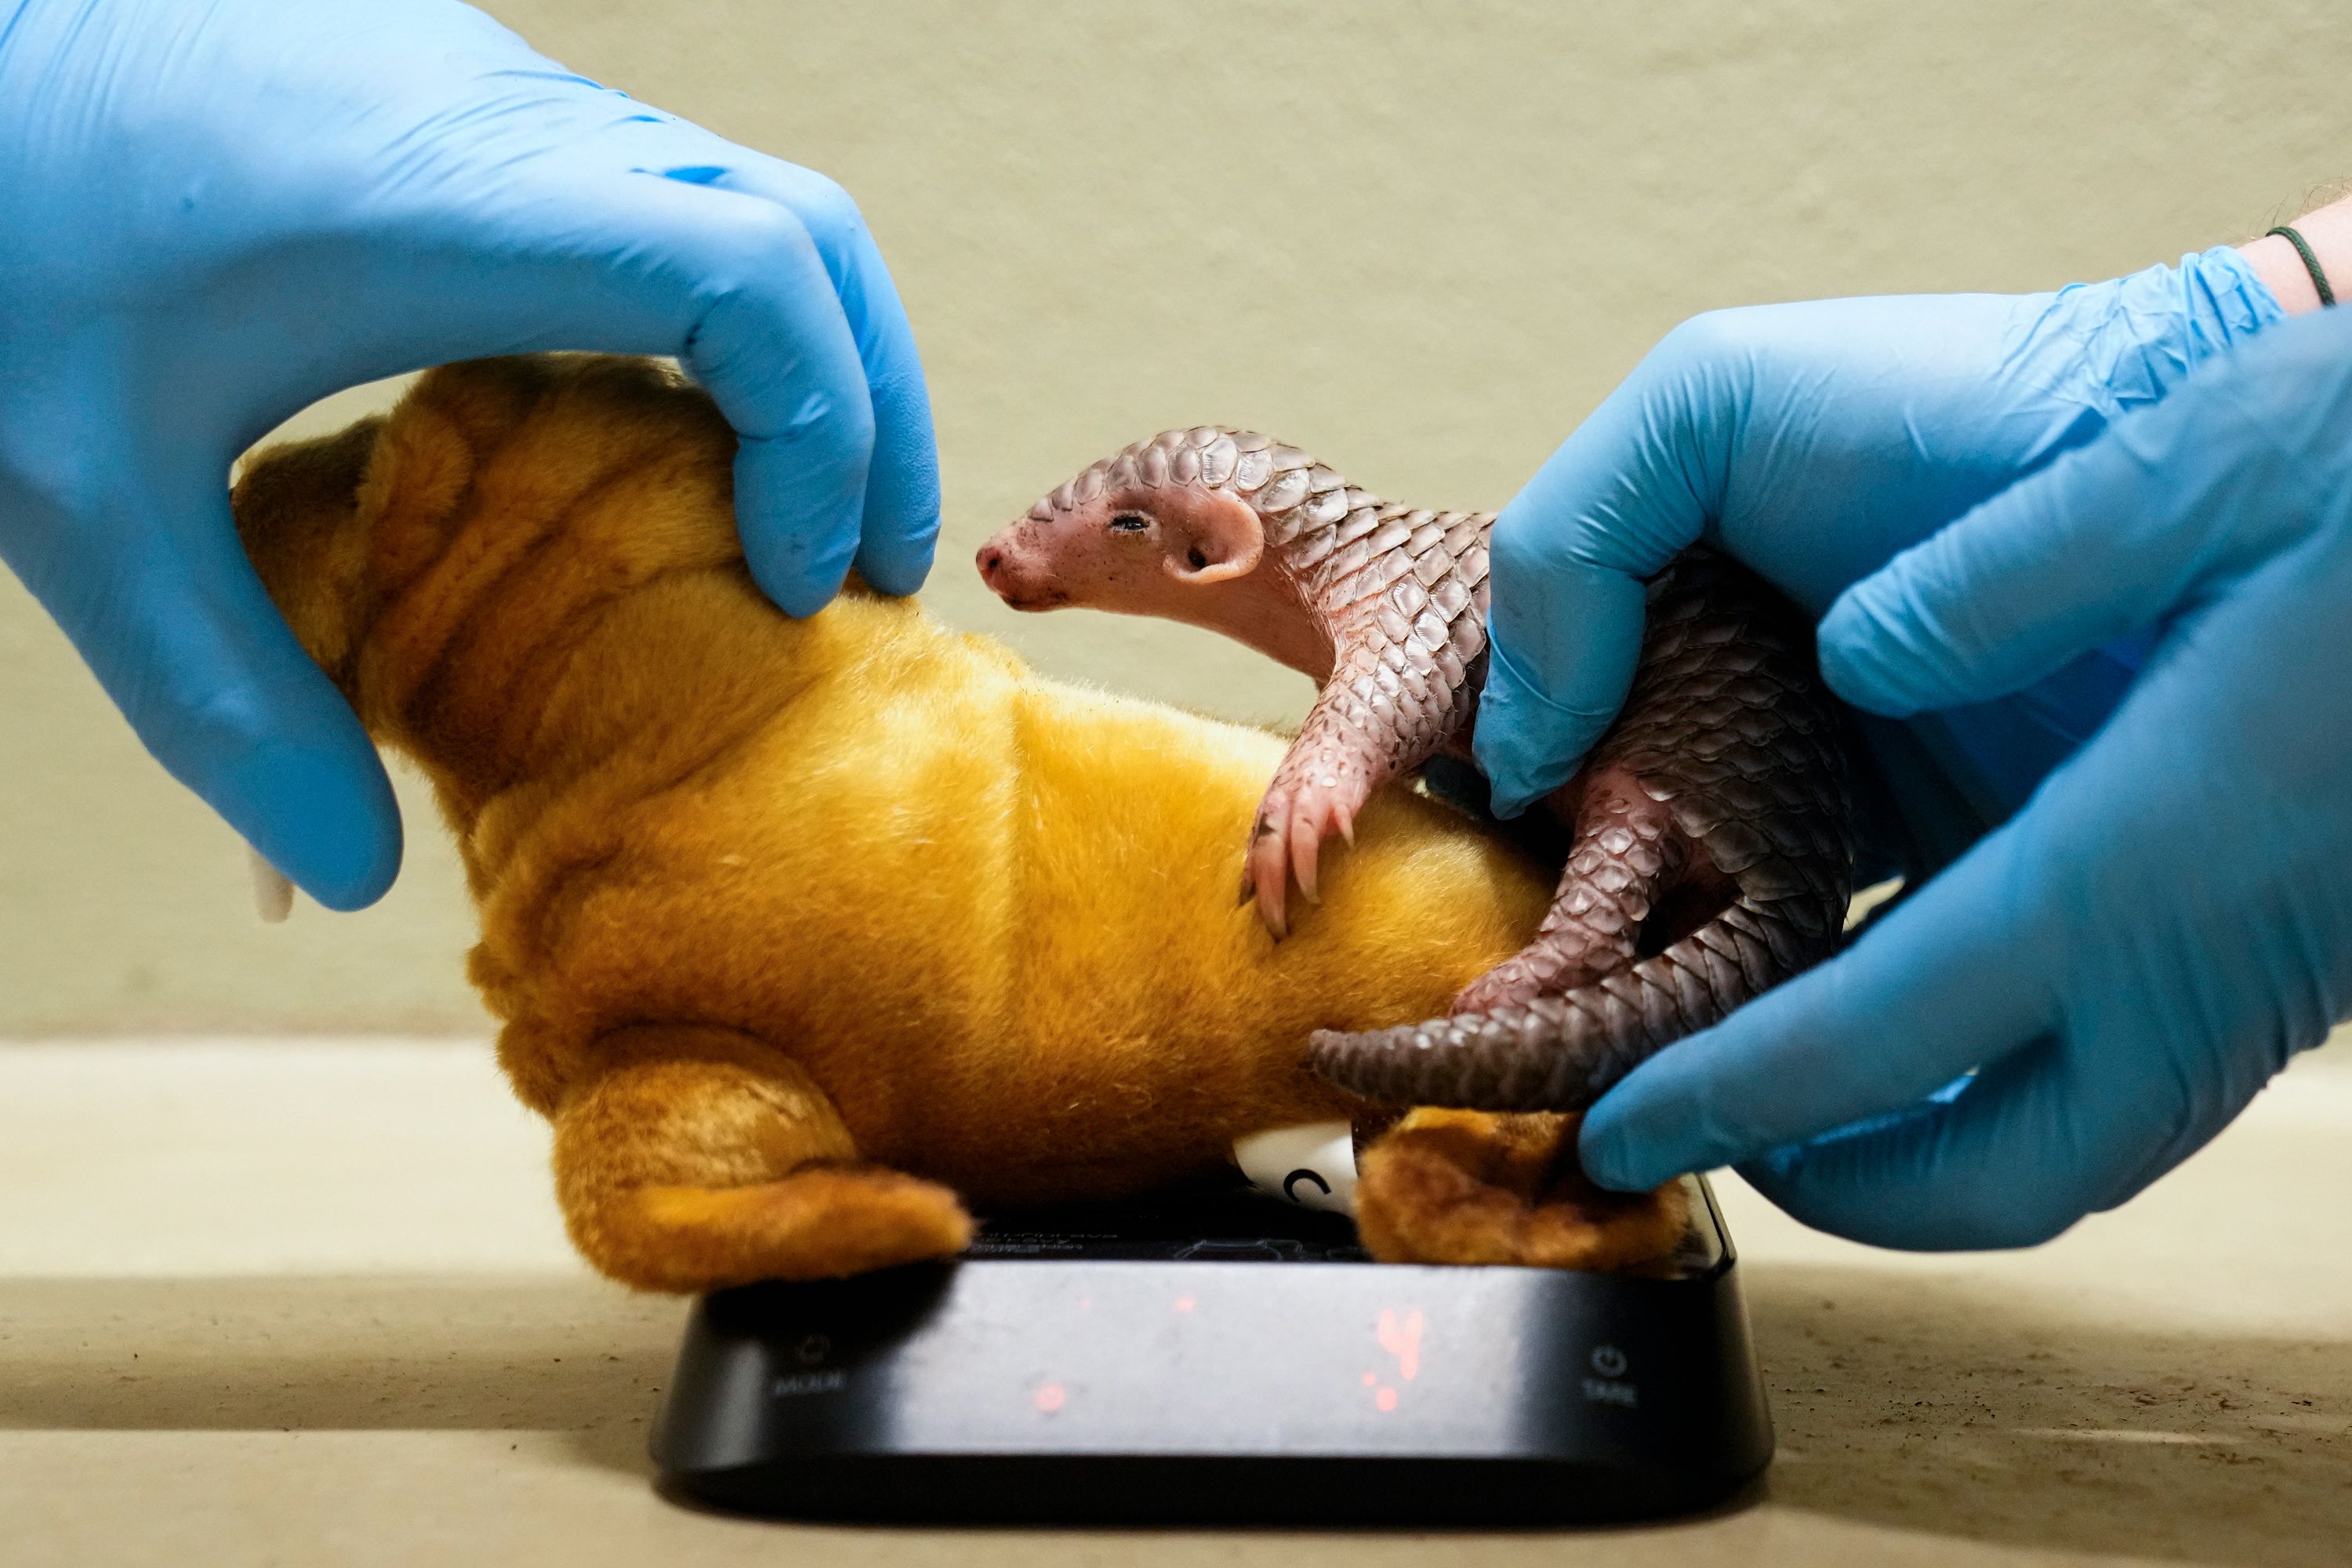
{"type": "Point", "coordinates": [1220, 1359]}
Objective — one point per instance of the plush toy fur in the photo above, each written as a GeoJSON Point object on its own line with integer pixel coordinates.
{"type": "Point", "coordinates": [803, 932]}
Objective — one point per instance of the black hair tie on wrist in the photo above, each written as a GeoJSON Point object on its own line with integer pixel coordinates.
{"type": "Point", "coordinates": [2310, 262]}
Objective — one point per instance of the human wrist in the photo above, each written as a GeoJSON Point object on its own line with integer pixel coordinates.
{"type": "Point", "coordinates": [2328, 230]}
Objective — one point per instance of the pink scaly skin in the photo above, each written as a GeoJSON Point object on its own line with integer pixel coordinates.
{"type": "Point", "coordinates": [1711, 852]}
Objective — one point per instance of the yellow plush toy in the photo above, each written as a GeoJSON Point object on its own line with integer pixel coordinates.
{"type": "Point", "coordinates": [804, 933]}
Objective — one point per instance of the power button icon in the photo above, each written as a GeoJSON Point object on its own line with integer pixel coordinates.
{"type": "Point", "coordinates": [1608, 1361]}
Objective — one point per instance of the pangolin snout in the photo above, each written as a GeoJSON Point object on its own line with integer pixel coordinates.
{"type": "Point", "coordinates": [1001, 567]}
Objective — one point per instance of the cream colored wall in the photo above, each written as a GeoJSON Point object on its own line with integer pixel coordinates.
{"type": "Point", "coordinates": [1421, 241]}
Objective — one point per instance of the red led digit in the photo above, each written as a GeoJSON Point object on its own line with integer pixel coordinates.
{"type": "Point", "coordinates": [1401, 1337]}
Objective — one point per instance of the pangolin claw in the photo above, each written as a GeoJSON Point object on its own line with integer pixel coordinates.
{"type": "Point", "coordinates": [1286, 845]}
{"type": "Point", "coordinates": [1305, 841]}
{"type": "Point", "coordinates": [1268, 877]}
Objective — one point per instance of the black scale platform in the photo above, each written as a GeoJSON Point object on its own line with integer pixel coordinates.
{"type": "Point", "coordinates": [1220, 1359]}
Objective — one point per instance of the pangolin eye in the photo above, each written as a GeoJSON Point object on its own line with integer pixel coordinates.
{"type": "Point", "coordinates": [1130, 522]}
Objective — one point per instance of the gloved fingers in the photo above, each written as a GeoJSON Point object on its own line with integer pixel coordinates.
{"type": "Point", "coordinates": [902, 485]}
{"type": "Point", "coordinates": [1632, 486]}
{"type": "Point", "coordinates": [775, 351]}
{"type": "Point", "coordinates": [151, 587]}
{"type": "Point", "coordinates": [2010, 1158]}
{"type": "Point", "coordinates": [2109, 539]}
{"type": "Point", "coordinates": [588, 256]}
{"type": "Point", "coordinates": [1957, 977]}
{"type": "Point", "coordinates": [1529, 733]}
{"type": "Point", "coordinates": [901, 521]}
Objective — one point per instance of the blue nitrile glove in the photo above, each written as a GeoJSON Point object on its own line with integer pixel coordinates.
{"type": "Point", "coordinates": [217, 211]}
{"type": "Point", "coordinates": [2168, 919]}
{"type": "Point", "coordinates": [1812, 441]}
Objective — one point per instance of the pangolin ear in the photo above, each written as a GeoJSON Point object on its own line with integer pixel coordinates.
{"type": "Point", "coordinates": [1215, 539]}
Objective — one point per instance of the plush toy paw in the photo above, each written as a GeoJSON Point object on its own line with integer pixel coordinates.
{"type": "Point", "coordinates": [1466, 1187]}
{"type": "Point", "coordinates": [817, 1223]}
{"type": "Point", "coordinates": [699, 1158]}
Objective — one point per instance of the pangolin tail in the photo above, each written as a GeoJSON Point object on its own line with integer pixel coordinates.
{"type": "Point", "coordinates": [1562, 1052]}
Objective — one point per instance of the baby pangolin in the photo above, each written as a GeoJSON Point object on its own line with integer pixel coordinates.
{"type": "Point", "coordinates": [1711, 844]}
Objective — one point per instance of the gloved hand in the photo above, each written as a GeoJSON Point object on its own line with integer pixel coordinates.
{"type": "Point", "coordinates": [1812, 441]}
{"type": "Point", "coordinates": [2133, 955]}
{"type": "Point", "coordinates": [219, 213]}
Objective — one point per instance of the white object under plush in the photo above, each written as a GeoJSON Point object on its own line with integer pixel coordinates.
{"type": "Point", "coordinates": [1312, 1165]}
{"type": "Point", "coordinates": [273, 895]}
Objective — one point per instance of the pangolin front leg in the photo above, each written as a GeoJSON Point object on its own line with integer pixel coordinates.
{"type": "Point", "coordinates": [1399, 689]}
{"type": "Point", "coordinates": [1324, 780]}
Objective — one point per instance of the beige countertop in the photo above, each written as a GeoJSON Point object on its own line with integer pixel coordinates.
{"type": "Point", "coordinates": [308, 1302]}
